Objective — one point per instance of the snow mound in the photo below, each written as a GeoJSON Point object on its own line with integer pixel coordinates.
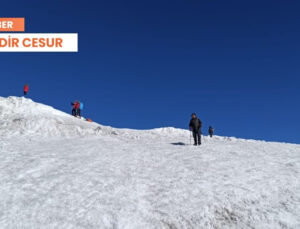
{"type": "Point", "coordinates": [21, 116]}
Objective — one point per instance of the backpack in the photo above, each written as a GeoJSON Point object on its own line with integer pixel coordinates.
{"type": "Point", "coordinates": [81, 106]}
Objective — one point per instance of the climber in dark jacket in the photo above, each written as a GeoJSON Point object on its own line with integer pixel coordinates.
{"type": "Point", "coordinates": [195, 126]}
{"type": "Point", "coordinates": [210, 131]}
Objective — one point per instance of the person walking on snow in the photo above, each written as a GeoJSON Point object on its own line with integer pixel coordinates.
{"type": "Point", "coordinates": [195, 126]}
{"type": "Point", "coordinates": [210, 131]}
{"type": "Point", "coordinates": [26, 89]}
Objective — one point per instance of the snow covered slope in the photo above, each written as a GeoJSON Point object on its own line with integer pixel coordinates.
{"type": "Point", "coordinates": [57, 171]}
{"type": "Point", "coordinates": [20, 116]}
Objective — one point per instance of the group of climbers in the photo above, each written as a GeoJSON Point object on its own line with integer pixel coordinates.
{"type": "Point", "coordinates": [194, 126]}
{"type": "Point", "coordinates": [77, 108]}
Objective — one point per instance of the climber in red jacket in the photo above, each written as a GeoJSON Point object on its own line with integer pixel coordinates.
{"type": "Point", "coordinates": [76, 106]}
{"type": "Point", "coordinates": [26, 89]}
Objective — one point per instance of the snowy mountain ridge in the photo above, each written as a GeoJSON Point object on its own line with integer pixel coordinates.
{"type": "Point", "coordinates": [58, 171]}
{"type": "Point", "coordinates": [24, 117]}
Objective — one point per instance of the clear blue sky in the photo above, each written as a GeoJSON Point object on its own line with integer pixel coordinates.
{"type": "Point", "coordinates": [148, 64]}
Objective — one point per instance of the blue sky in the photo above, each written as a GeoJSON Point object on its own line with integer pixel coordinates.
{"type": "Point", "coordinates": [148, 64]}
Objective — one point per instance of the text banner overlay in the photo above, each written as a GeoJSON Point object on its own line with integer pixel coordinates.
{"type": "Point", "coordinates": [38, 42]}
{"type": "Point", "coordinates": [12, 24]}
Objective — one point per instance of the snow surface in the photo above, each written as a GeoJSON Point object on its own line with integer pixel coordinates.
{"type": "Point", "coordinates": [57, 171]}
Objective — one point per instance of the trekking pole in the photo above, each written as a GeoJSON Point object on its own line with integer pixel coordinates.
{"type": "Point", "coordinates": [190, 137]}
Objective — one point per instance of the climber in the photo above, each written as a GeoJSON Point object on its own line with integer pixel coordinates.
{"type": "Point", "coordinates": [79, 109]}
{"type": "Point", "coordinates": [195, 126]}
{"type": "Point", "coordinates": [210, 131]}
{"type": "Point", "coordinates": [26, 89]}
{"type": "Point", "coordinates": [76, 106]}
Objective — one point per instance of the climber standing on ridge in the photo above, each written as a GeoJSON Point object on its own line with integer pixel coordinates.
{"type": "Point", "coordinates": [210, 131]}
{"type": "Point", "coordinates": [26, 89]}
{"type": "Point", "coordinates": [76, 106]}
{"type": "Point", "coordinates": [79, 109]}
{"type": "Point", "coordinates": [195, 126]}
